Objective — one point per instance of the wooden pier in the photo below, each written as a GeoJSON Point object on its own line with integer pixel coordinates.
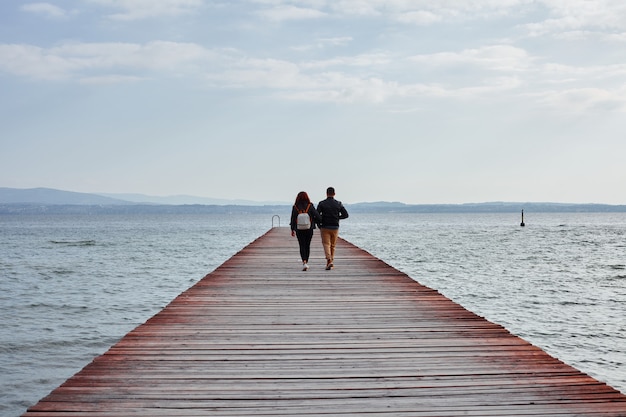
{"type": "Point", "coordinates": [260, 337]}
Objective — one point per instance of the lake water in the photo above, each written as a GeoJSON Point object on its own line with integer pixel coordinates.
{"type": "Point", "coordinates": [72, 286]}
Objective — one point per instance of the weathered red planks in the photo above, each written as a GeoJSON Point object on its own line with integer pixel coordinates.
{"type": "Point", "coordinates": [260, 337]}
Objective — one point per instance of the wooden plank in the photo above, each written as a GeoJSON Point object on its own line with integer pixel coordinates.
{"type": "Point", "coordinates": [258, 336]}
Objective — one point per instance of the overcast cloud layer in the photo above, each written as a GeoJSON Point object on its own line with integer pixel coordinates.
{"type": "Point", "coordinates": [414, 101]}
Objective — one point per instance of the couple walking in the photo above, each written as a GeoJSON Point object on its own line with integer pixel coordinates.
{"type": "Point", "coordinates": [326, 216]}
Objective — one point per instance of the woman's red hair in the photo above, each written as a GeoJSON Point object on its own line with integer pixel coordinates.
{"type": "Point", "coordinates": [302, 200]}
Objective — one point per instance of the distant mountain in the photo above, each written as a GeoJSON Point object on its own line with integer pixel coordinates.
{"type": "Point", "coordinates": [47, 200]}
{"type": "Point", "coordinates": [490, 207]}
{"type": "Point", "coordinates": [51, 201]}
{"type": "Point", "coordinates": [188, 199]}
{"type": "Point", "coordinates": [52, 197]}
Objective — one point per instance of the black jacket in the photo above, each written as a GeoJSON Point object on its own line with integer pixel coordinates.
{"type": "Point", "coordinates": [315, 216]}
{"type": "Point", "coordinates": [331, 211]}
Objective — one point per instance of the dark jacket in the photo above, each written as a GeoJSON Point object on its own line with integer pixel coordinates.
{"type": "Point", "coordinates": [331, 211]}
{"type": "Point", "coordinates": [315, 216]}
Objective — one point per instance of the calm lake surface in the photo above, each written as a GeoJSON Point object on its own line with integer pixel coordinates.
{"type": "Point", "coordinates": [72, 286]}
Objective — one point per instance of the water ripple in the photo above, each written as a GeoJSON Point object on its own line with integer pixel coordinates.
{"type": "Point", "coordinates": [558, 282]}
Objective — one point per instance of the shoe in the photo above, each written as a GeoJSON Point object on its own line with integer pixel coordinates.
{"type": "Point", "coordinates": [305, 266]}
{"type": "Point", "coordinates": [329, 265]}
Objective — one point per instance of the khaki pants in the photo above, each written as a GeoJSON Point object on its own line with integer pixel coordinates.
{"type": "Point", "coordinates": [329, 239]}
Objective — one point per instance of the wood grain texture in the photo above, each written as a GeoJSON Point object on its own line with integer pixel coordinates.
{"type": "Point", "coordinates": [260, 337]}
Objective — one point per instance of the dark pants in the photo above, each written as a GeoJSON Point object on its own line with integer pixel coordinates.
{"type": "Point", "coordinates": [304, 240]}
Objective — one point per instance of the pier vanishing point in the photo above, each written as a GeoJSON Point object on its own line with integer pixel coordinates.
{"type": "Point", "coordinates": [260, 337]}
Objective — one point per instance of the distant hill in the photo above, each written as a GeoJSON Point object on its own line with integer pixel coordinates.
{"type": "Point", "coordinates": [52, 196]}
{"type": "Point", "coordinates": [188, 199]}
{"type": "Point", "coordinates": [47, 200]}
{"type": "Point", "coordinates": [490, 207]}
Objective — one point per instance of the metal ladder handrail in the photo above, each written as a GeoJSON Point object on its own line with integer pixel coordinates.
{"type": "Point", "coordinates": [275, 215]}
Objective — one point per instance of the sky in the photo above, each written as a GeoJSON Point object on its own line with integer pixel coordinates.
{"type": "Point", "coordinates": [422, 102]}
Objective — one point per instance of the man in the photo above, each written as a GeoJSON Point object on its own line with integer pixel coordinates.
{"type": "Point", "coordinates": [331, 211]}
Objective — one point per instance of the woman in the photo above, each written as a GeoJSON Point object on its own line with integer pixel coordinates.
{"type": "Point", "coordinates": [304, 232]}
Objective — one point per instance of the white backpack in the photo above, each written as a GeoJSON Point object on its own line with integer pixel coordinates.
{"type": "Point", "coordinates": [303, 221]}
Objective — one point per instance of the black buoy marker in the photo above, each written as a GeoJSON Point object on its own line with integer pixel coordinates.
{"type": "Point", "coordinates": [522, 223]}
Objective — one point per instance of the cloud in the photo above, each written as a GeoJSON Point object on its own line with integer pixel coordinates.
{"type": "Point", "coordinates": [32, 61]}
{"type": "Point", "coordinates": [348, 79]}
{"type": "Point", "coordinates": [143, 9]}
{"type": "Point", "coordinates": [362, 60]}
{"type": "Point", "coordinates": [420, 12]}
{"type": "Point", "coordinates": [336, 41]}
{"type": "Point", "coordinates": [243, 72]}
{"type": "Point", "coordinates": [424, 12]}
{"type": "Point", "coordinates": [580, 16]}
{"type": "Point", "coordinates": [492, 57]}
{"type": "Point", "coordinates": [282, 13]}
{"type": "Point", "coordinates": [419, 17]}
{"type": "Point", "coordinates": [558, 18]}
{"type": "Point", "coordinates": [356, 7]}
{"type": "Point", "coordinates": [45, 9]}
{"type": "Point", "coordinates": [581, 100]}
{"type": "Point", "coordinates": [374, 77]}
{"type": "Point", "coordinates": [339, 87]}
{"type": "Point", "coordinates": [99, 63]}
{"type": "Point", "coordinates": [310, 81]}
{"type": "Point", "coordinates": [323, 43]}
{"type": "Point", "coordinates": [98, 60]}
{"type": "Point", "coordinates": [315, 81]}
{"type": "Point", "coordinates": [109, 79]}
{"type": "Point", "coordinates": [595, 73]}
{"type": "Point", "coordinates": [616, 37]}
